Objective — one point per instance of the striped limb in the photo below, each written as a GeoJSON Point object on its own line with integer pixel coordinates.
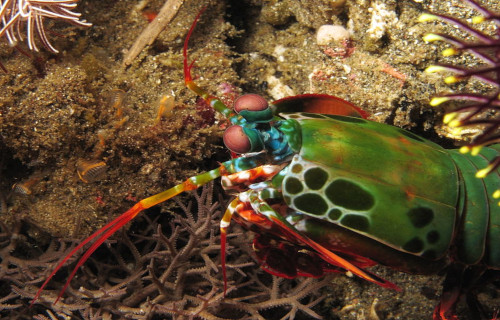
{"type": "Point", "coordinates": [252, 207]}
{"type": "Point", "coordinates": [228, 167]}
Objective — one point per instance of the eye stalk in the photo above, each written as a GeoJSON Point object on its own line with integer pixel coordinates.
{"type": "Point", "coordinates": [241, 140]}
{"type": "Point", "coordinates": [253, 108]}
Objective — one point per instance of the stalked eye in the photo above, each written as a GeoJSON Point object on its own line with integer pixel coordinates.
{"type": "Point", "coordinates": [253, 108]}
{"type": "Point", "coordinates": [250, 102]}
{"type": "Point", "coordinates": [236, 140]}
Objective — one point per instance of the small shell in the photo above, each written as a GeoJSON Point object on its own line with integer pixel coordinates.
{"type": "Point", "coordinates": [116, 98]}
{"type": "Point", "coordinates": [167, 104]}
{"type": "Point", "coordinates": [24, 188]}
{"type": "Point", "coordinates": [116, 101]}
{"type": "Point", "coordinates": [90, 170]}
{"type": "Point", "coordinates": [20, 188]}
{"type": "Point", "coordinates": [331, 33]}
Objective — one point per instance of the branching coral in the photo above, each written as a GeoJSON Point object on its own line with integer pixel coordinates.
{"type": "Point", "coordinates": [477, 109]}
{"type": "Point", "coordinates": [164, 265]}
{"type": "Point", "coordinates": [18, 268]}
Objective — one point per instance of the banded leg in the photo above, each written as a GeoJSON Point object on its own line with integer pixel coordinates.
{"type": "Point", "coordinates": [226, 168]}
{"type": "Point", "coordinates": [255, 201]}
{"type": "Point", "coordinates": [240, 181]}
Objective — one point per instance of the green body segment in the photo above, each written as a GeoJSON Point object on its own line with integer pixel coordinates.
{"type": "Point", "coordinates": [478, 235]}
{"type": "Point", "coordinates": [377, 180]}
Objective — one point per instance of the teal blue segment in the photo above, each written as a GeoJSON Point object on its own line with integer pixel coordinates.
{"type": "Point", "coordinates": [257, 116]}
{"type": "Point", "coordinates": [291, 129]}
{"type": "Point", "coordinates": [256, 143]}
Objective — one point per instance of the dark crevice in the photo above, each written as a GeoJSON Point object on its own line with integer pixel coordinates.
{"type": "Point", "coordinates": [243, 17]}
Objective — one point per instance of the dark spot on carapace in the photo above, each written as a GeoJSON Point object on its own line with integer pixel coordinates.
{"type": "Point", "coordinates": [415, 245]}
{"type": "Point", "coordinates": [420, 216]}
{"type": "Point", "coordinates": [433, 236]}
{"type": "Point", "coordinates": [334, 214]}
{"type": "Point", "coordinates": [349, 195]}
{"type": "Point", "coordinates": [355, 221]}
{"type": "Point", "coordinates": [293, 185]}
{"type": "Point", "coordinates": [311, 203]}
{"type": "Point", "coordinates": [315, 178]}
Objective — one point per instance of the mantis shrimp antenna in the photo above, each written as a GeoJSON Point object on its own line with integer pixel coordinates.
{"type": "Point", "coordinates": [105, 232]}
{"type": "Point", "coordinates": [192, 183]}
{"type": "Point", "coordinates": [211, 100]}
